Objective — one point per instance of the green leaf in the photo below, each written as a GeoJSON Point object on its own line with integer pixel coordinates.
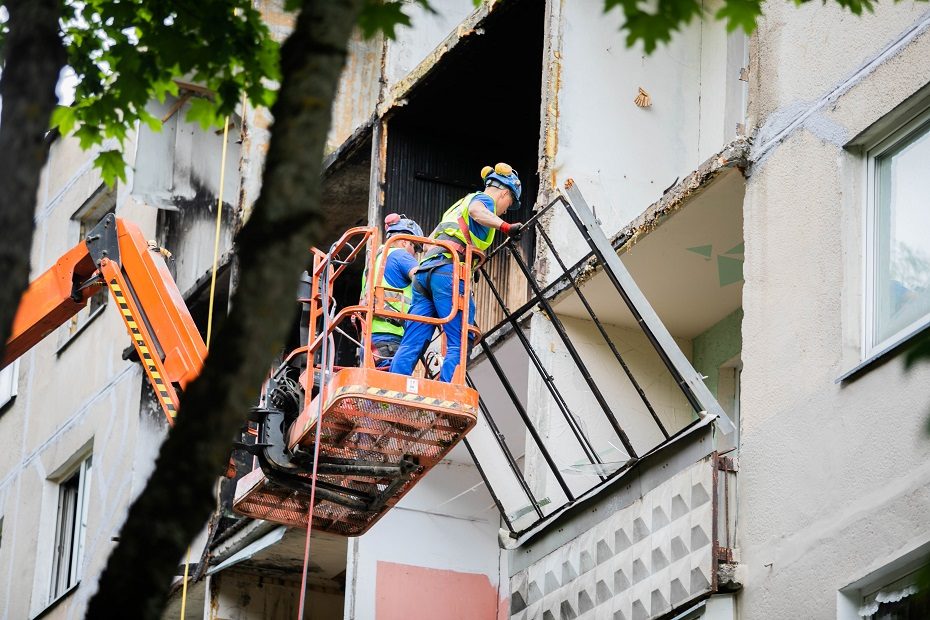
{"type": "Point", "coordinates": [740, 14]}
{"type": "Point", "coordinates": [204, 112]}
{"type": "Point", "coordinates": [163, 87]}
{"type": "Point", "coordinates": [382, 16]}
{"type": "Point", "coordinates": [111, 165]}
{"type": "Point", "coordinates": [88, 135]}
{"type": "Point", "coordinates": [154, 123]}
{"type": "Point", "coordinates": [64, 118]}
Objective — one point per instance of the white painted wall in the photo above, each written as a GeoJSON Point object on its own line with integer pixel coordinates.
{"type": "Point", "coordinates": [632, 415]}
{"type": "Point", "coordinates": [414, 43]}
{"type": "Point", "coordinates": [622, 156]}
{"type": "Point", "coordinates": [447, 522]}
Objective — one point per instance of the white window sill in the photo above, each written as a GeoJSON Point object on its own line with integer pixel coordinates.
{"type": "Point", "coordinates": [53, 604]}
{"type": "Point", "coordinates": [883, 353]}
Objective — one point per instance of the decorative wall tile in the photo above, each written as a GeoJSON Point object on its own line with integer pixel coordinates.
{"type": "Point", "coordinates": [640, 563]}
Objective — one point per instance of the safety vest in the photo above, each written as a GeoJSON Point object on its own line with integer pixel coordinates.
{"type": "Point", "coordinates": [394, 300]}
{"type": "Point", "coordinates": [454, 226]}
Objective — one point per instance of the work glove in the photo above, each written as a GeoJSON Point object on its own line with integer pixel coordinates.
{"type": "Point", "coordinates": [512, 230]}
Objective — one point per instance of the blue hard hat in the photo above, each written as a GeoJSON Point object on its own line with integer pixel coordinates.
{"type": "Point", "coordinates": [503, 175]}
{"type": "Point", "coordinates": [404, 226]}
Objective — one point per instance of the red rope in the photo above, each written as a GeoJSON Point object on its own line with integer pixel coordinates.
{"type": "Point", "coordinates": [316, 459]}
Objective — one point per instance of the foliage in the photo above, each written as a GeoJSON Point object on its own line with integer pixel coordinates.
{"type": "Point", "coordinates": [385, 15]}
{"type": "Point", "coordinates": [126, 53]}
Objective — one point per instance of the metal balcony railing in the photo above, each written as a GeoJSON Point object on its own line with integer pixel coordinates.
{"type": "Point", "coordinates": [524, 465]}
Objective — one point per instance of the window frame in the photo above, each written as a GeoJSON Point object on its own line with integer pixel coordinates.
{"type": "Point", "coordinates": [8, 399]}
{"type": "Point", "coordinates": [60, 587]}
{"type": "Point", "coordinates": [871, 348]}
{"type": "Point", "coordinates": [100, 203]}
{"type": "Point", "coordinates": [870, 594]}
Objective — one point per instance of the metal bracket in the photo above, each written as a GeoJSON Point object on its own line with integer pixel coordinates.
{"type": "Point", "coordinates": [726, 463]}
{"type": "Point", "coordinates": [102, 241]}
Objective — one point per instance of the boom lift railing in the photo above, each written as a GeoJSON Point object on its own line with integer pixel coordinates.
{"type": "Point", "coordinates": [359, 438]}
{"type": "Point", "coordinates": [528, 495]}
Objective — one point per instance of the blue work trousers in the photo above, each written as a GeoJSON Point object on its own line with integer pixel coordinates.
{"type": "Point", "coordinates": [382, 356]}
{"type": "Point", "coordinates": [437, 305]}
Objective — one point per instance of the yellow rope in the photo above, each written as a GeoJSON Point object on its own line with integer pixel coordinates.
{"type": "Point", "coordinates": [216, 257]}
{"type": "Point", "coordinates": [216, 238]}
{"type": "Point", "coordinates": [187, 565]}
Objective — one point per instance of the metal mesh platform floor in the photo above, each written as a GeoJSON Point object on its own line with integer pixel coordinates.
{"type": "Point", "coordinates": [371, 417]}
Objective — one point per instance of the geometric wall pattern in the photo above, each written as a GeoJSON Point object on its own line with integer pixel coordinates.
{"type": "Point", "coordinates": [640, 563]}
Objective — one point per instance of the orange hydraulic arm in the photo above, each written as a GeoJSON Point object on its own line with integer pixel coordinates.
{"type": "Point", "coordinates": [116, 255]}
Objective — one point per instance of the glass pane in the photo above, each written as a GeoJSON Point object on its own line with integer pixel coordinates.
{"type": "Point", "coordinates": [84, 501]}
{"type": "Point", "coordinates": [902, 280]}
{"type": "Point", "coordinates": [64, 544]}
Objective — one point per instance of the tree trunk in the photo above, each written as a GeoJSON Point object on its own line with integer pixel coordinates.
{"type": "Point", "coordinates": [273, 250]}
{"type": "Point", "coordinates": [33, 57]}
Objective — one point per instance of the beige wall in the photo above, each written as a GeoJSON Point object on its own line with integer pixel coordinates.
{"type": "Point", "coordinates": [71, 401]}
{"type": "Point", "coordinates": [833, 477]}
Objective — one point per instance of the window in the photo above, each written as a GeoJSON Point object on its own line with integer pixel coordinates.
{"type": "Point", "coordinates": [898, 600]}
{"type": "Point", "coordinates": [898, 249]}
{"type": "Point", "coordinates": [8, 382]}
{"type": "Point", "coordinates": [98, 206]}
{"type": "Point", "coordinates": [73, 502]}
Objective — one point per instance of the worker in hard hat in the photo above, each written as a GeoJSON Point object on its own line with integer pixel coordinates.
{"type": "Point", "coordinates": [473, 221]}
{"type": "Point", "coordinates": [397, 280]}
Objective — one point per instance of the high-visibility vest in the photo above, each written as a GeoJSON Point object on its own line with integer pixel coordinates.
{"type": "Point", "coordinates": [397, 301]}
{"type": "Point", "coordinates": [455, 226]}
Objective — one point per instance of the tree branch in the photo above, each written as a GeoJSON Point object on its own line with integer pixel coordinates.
{"type": "Point", "coordinates": [272, 247]}
{"type": "Point", "coordinates": [33, 57]}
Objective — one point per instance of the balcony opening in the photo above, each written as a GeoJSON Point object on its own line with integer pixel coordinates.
{"type": "Point", "coordinates": [479, 105]}
{"type": "Point", "coordinates": [612, 357]}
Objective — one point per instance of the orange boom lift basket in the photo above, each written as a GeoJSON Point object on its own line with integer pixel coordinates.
{"type": "Point", "coordinates": [380, 433]}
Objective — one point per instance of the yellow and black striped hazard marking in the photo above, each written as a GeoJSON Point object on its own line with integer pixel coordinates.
{"type": "Point", "coordinates": [144, 352]}
{"type": "Point", "coordinates": [419, 399]}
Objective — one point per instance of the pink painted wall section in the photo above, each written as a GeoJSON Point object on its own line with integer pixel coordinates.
{"type": "Point", "coordinates": [406, 592]}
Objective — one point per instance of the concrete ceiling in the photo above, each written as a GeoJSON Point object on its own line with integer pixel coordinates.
{"type": "Point", "coordinates": [344, 193]}
{"type": "Point", "coordinates": [328, 554]}
{"type": "Point", "coordinates": [689, 267]}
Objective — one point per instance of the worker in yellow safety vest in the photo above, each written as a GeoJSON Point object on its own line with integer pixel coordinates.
{"type": "Point", "coordinates": [397, 280]}
{"type": "Point", "coordinates": [470, 221]}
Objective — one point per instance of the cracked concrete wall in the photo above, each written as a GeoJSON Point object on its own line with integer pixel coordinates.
{"type": "Point", "coordinates": [178, 170]}
{"type": "Point", "coordinates": [71, 399]}
{"type": "Point", "coordinates": [833, 476]}
{"type": "Point", "coordinates": [622, 156]}
{"type": "Point", "coordinates": [255, 595]}
{"type": "Point", "coordinates": [76, 395]}
{"type": "Point", "coordinates": [427, 31]}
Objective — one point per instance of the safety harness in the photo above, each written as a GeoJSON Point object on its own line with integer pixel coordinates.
{"type": "Point", "coordinates": [438, 255]}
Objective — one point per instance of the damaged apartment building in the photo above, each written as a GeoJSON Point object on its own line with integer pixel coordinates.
{"type": "Point", "coordinates": [693, 403]}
